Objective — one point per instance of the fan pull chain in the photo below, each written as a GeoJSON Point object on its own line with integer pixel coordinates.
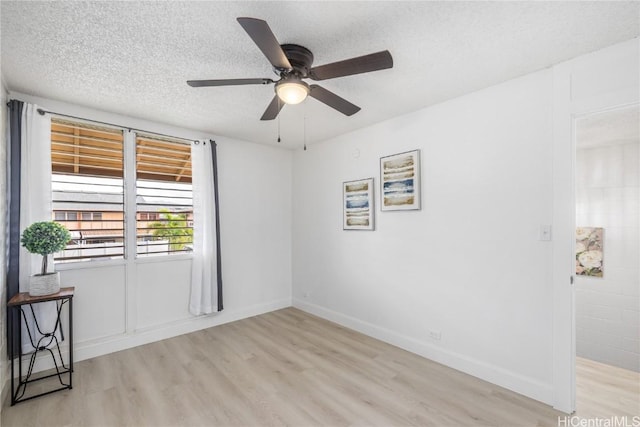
{"type": "Point", "coordinates": [278, 119]}
{"type": "Point", "coordinates": [304, 131]}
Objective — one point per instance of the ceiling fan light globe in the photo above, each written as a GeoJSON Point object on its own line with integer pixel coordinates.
{"type": "Point", "coordinates": [292, 92]}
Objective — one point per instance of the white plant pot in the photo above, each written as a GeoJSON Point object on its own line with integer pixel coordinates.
{"type": "Point", "coordinates": [44, 284]}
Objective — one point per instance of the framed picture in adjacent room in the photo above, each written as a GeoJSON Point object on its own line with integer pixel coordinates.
{"type": "Point", "coordinates": [400, 181]}
{"type": "Point", "coordinates": [357, 205]}
{"type": "Point", "coordinates": [589, 251]}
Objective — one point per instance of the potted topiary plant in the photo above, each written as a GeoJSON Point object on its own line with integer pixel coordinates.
{"type": "Point", "coordinates": [44, 238]}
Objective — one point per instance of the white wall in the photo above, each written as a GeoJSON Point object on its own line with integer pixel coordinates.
{"type": "Point", "coordinates": [469, 265]}
{"type": "Point", "coordinates": [608, 308]}
{"type": "Point", "coordinates": [121, 304]}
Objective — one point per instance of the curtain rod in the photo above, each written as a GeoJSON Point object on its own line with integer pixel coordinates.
{"type": "Point", "coordinates": [43, 112]}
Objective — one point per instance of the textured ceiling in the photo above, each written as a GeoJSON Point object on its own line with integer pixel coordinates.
{"type": "Point", "coordinates": [133, 58]}
{"type": "Point", "coordinates": [620, 126]}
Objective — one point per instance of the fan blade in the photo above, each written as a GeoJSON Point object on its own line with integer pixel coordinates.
{"type": "Point", "coordinates": [333, 100]}
{"type": "Point", "coordinates": [362, 64]}
{"type": "Point", "coordinates": [262, 35]}
{"type": "Point", "coordinates": [228, 82]}
{"type": "Point", "coordinates": [273, 109]}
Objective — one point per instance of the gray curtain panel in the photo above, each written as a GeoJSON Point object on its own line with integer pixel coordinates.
{"type": "Point", "coordinates": [214, 157]}
{"type": "Point", "coordinates": [13, 249]}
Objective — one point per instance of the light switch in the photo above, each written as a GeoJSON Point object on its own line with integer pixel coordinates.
{"type": "Point", "coordinates": [545, 233]}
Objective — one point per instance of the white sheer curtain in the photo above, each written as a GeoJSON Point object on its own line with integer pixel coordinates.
{"type": "Point", "coordinates": [204, 271]}
{"type": "Point", "coordinates": [35, 205]}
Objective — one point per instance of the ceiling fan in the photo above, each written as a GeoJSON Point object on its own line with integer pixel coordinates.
{"type": "Point", "coordinates": [292, 63]}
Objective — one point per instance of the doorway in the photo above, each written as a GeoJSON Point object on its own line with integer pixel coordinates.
{"type": "Point", "coordinates": [607, 277]}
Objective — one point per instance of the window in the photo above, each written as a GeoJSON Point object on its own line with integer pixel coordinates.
{"type": "Point", "coordinates": [61, 216]}
{"type": "Point", "coordinates": [87, 179]}
{"type": "Point", "coordinates": [88, 186]}
{"type": "Point", "coordinates": [148, 216]}
{"type": "Point", "coordinates": [163, 196]}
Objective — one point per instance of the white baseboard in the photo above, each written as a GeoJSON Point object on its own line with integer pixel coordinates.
{"type": "Point", "coordinates": [99, 347]}
{"type": "Point", "coordinates": [493, 374]}
{"type": "Point", "coordinates": [510, 380]}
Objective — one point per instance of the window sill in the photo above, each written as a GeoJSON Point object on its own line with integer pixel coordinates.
{"type": "Point", "coordinates": [78, 265]}
{"type": "Point", "coordinates": [162, 258]}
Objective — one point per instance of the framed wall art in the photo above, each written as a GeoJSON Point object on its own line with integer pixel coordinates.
{"type": "Point", "coordinates": [589, 251]}
{"type": "Point", "coordinates": [400, 181]}
{"type": "Point", "coordinates": [357, 205]}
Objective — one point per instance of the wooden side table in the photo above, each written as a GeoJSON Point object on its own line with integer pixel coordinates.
{"type": "Point", "coordinates": [22, 302]}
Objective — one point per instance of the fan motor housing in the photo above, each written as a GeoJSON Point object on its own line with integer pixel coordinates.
{"type": "Point", "coordinates": [299, 57]}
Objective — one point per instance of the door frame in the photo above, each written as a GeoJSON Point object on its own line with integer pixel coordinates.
{"type": "Point", "coordinates": [563, 242]}
{"type": "Point", "coordinates": [610, 89]}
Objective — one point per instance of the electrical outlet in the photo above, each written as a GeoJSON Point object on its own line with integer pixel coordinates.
{"type": "Point", "coordinates": [435, 335]}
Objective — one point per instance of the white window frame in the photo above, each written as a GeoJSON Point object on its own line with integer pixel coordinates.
{"type": "Point", "coordinates": [129, 210]}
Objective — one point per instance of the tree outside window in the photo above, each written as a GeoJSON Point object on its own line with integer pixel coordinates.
{"type": "Point", "coordinates": [173, 227]}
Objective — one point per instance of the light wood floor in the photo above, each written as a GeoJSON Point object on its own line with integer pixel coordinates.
{"type": "Point", "coordinates": [291, 368]}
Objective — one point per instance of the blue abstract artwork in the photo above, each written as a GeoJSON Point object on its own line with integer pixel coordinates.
{"type": "Point", "coordinates": [358, 205]}
{"type": "Point", "coordinates": [400, 181]}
